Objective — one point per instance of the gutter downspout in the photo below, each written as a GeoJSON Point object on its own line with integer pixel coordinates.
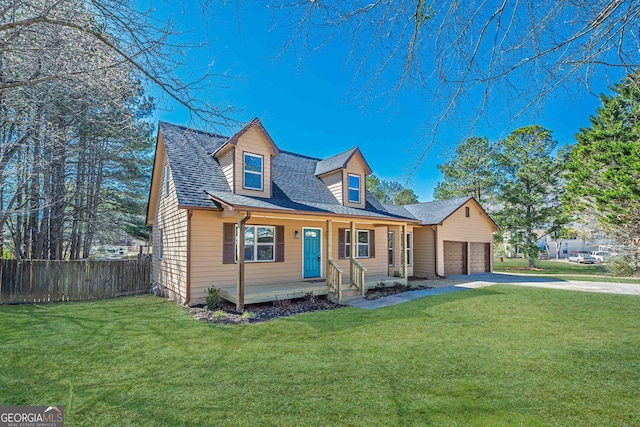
{"type": "Point", "coordinates": [241, 224]}
{"type": "Point", "coordinates": [435, 248]}
{"type": "Point", "coordinates": [188, 293]}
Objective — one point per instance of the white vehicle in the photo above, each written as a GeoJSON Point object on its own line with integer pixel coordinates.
{"type": "Point", "coordinates": [582, 257]}
{"type": "Point", "coordinates": [600, 256]}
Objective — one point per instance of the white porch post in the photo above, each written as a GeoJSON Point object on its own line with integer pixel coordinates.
{"type": "Point", "coordinates": [403, 244]}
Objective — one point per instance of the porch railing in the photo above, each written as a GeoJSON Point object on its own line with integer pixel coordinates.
{"type": "Point", "coordinates": [357, 276]}
{"type": "Point", "coordinates": [334, 279]}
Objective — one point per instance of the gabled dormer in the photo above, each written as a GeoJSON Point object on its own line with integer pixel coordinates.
{"type": "Point", "coordinates": [246, 160]}
{"type": "Point", "coordinates": [345, 175]}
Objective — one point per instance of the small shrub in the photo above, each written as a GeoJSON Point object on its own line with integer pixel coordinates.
{"type": "Point", "coordinates": [380, 285]}
{"type": "Point", "coordinates": [310, 297]}
{"type": "Point", "coordinates": [283, 303]}
{"type": "Point", "coordinates": [248, 315]}
{"type": "Point", "coordinates": [397, 286]}
{"type": "Point", "coordinates": [621, 266]}
{"type": "Point", "coordinates": [213, 298]}
{"type": "Point", "coordinates": [396, 273]}
{"type": "Point", "coordinates": [219, 313]}
{"type": "Point", "coordinates": [413, 286]}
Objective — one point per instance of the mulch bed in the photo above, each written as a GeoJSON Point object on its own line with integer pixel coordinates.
{"type": "Point", "coordinates": [261, 312]}
{"type": "Point", "coordinates": [257, 313]}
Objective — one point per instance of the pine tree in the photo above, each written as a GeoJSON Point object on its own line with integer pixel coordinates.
{"type": "Point", "coordinates": [603, 172]}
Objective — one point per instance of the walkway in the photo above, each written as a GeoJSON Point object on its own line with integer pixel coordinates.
{"type": "Point", "coordinates": [481, 280]}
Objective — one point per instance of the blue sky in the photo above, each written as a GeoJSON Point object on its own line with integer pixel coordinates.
{"type": "Point", "coordinates": [305, 105]}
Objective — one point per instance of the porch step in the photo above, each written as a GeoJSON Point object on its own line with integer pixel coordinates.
{"type": "Point", "coordinates": [349, 299]}
{"type": "Point", "coordinates": [350, 292]}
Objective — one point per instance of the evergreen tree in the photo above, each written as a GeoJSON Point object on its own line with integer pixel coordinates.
{"type": "Point", "coordinates": [529, 189]}
{"type": "Point", "coordinates": [390, 192]}
{"type": "Point", "coordinates": [603, 172]}
{"type": "Point", "coordinates": [469, 173]}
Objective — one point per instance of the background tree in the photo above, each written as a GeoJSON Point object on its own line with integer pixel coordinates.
{"type": "Point", "coordinates": [469, 173]}
{"type": "Point", "coordinates": [131, 35]}
{"type": "Point", "coordinates": [405, 197]}
{"type": "Point", "coordinates": [603, 172]}
{"type": "Point", "coordinates": [528, 191]}
{"type": "Point", "coordinates": [483, 59]}
{"type": "Point", "coordinates": [73, 144]}
{"type": "Point", "coordinates": [390, 192]}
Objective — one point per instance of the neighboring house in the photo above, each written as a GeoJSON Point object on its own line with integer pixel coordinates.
{"type": "Point", "coordinates": [567, 246]}
{"type": "Point", "coordinates": [298, 215]}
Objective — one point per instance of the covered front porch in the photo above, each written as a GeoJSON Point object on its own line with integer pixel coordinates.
{"type": "Point", "coordinates": [334, 257]}
{"type": "Point", "coordinates": [255, 294]}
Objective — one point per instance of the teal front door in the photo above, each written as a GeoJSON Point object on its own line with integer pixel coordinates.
{"type": "Point", "coordinates": [311, 244]}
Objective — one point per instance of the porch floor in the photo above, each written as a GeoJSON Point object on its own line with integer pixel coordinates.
{"type": "Point", "coordinates": [254, 294]}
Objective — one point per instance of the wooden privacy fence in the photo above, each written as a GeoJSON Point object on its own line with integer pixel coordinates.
{"type": "Point", "coordinates": [40, 281]}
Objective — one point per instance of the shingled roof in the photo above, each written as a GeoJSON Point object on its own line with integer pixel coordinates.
{"type": "Point", "coordinates": [431, 213]}
{"type": "Point", "coordinates": [192, 167]}
{"type": "Point", "coordinates": [200, 182]}
{"type": "Point", "coordinates": [339, 161]}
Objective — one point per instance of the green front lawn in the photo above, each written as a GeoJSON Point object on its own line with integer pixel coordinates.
{"type": "Point", "coordinates": [560, 269]}
{"type": "Point", "coordinates": [493, 356]}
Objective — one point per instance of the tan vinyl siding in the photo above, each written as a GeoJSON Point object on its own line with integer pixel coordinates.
{"type": "Point", "coordinates": [355, 167]}
{"type": "Point", "coordinates": [253, 142]}
{"type": "Point", "coordinates": [171, 271]}
{"type": "Point", "coordinates": [207, 268]}
{"type": "Point", "coordinates": [424, 257]}
{"type": "Point", "coordinates": [333, 181]}
{"type": "Point", "coordinates": [226, 163]}
{"type": "Point", "coordinates": [458, 228]}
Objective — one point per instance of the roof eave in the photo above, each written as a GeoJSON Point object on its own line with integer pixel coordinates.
{"type": "Point", "coordinates": [253, 123]}
{"type": "Point", "coordinates": [239, 207]}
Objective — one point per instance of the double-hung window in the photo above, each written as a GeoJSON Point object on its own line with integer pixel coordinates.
{"type": "Point", "coordinates": [362, 244]}
{"type": "Point", "coordinates": [409, 249]}
{"type": "Point", "coordinates": [259, 242]}
{"type": "Point", "coordinates": [253, 171]}
{"type": "Point", "coordinates": [391, 251]}
{"type": "Point", "coordinates": [354, 188]}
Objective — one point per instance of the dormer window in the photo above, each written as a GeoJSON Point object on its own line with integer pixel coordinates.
{"type": "Point", "coordinates": [252, 171]}
{"type": "Point", "coordinates": [354, 188]}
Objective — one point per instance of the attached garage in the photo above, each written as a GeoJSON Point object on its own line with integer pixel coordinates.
{"type": "Point", "coordinates": [455, 258]}
{"type": "Point", "coordinates": [480, 257]}
{"type": "Point", "coordinates": [456, 237]}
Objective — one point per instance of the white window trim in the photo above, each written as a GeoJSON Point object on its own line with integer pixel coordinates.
{"type": "Point", "coordinates": [160, 245]}
{"type": "Point", "coordinates": [391, 235]}
{"type": "Point", "coordinates": [349, 188]}
{"type": "Point", "coordinates": [409, 248]}
{"type": "Point", "coordinates": [347, 244]}
{"type": "Point", "coordinates": [255, 243]}
{"type": "Point", "coordinates": [245, 171]}
{"type": "Point", "coordinates": [166, 179]}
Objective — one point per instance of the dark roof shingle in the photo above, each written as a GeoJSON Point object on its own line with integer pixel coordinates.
{"type": "Point", "coordinates": [197, 175]}
{"type": "Point", "coordinates": [430, 213]}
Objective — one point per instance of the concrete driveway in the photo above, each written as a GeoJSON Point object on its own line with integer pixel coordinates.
{"type": "Point", "coordinates": [480, 280]}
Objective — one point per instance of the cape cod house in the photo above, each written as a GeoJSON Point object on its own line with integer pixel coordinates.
{"type": "Point", "coordinates": [307, 224]}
